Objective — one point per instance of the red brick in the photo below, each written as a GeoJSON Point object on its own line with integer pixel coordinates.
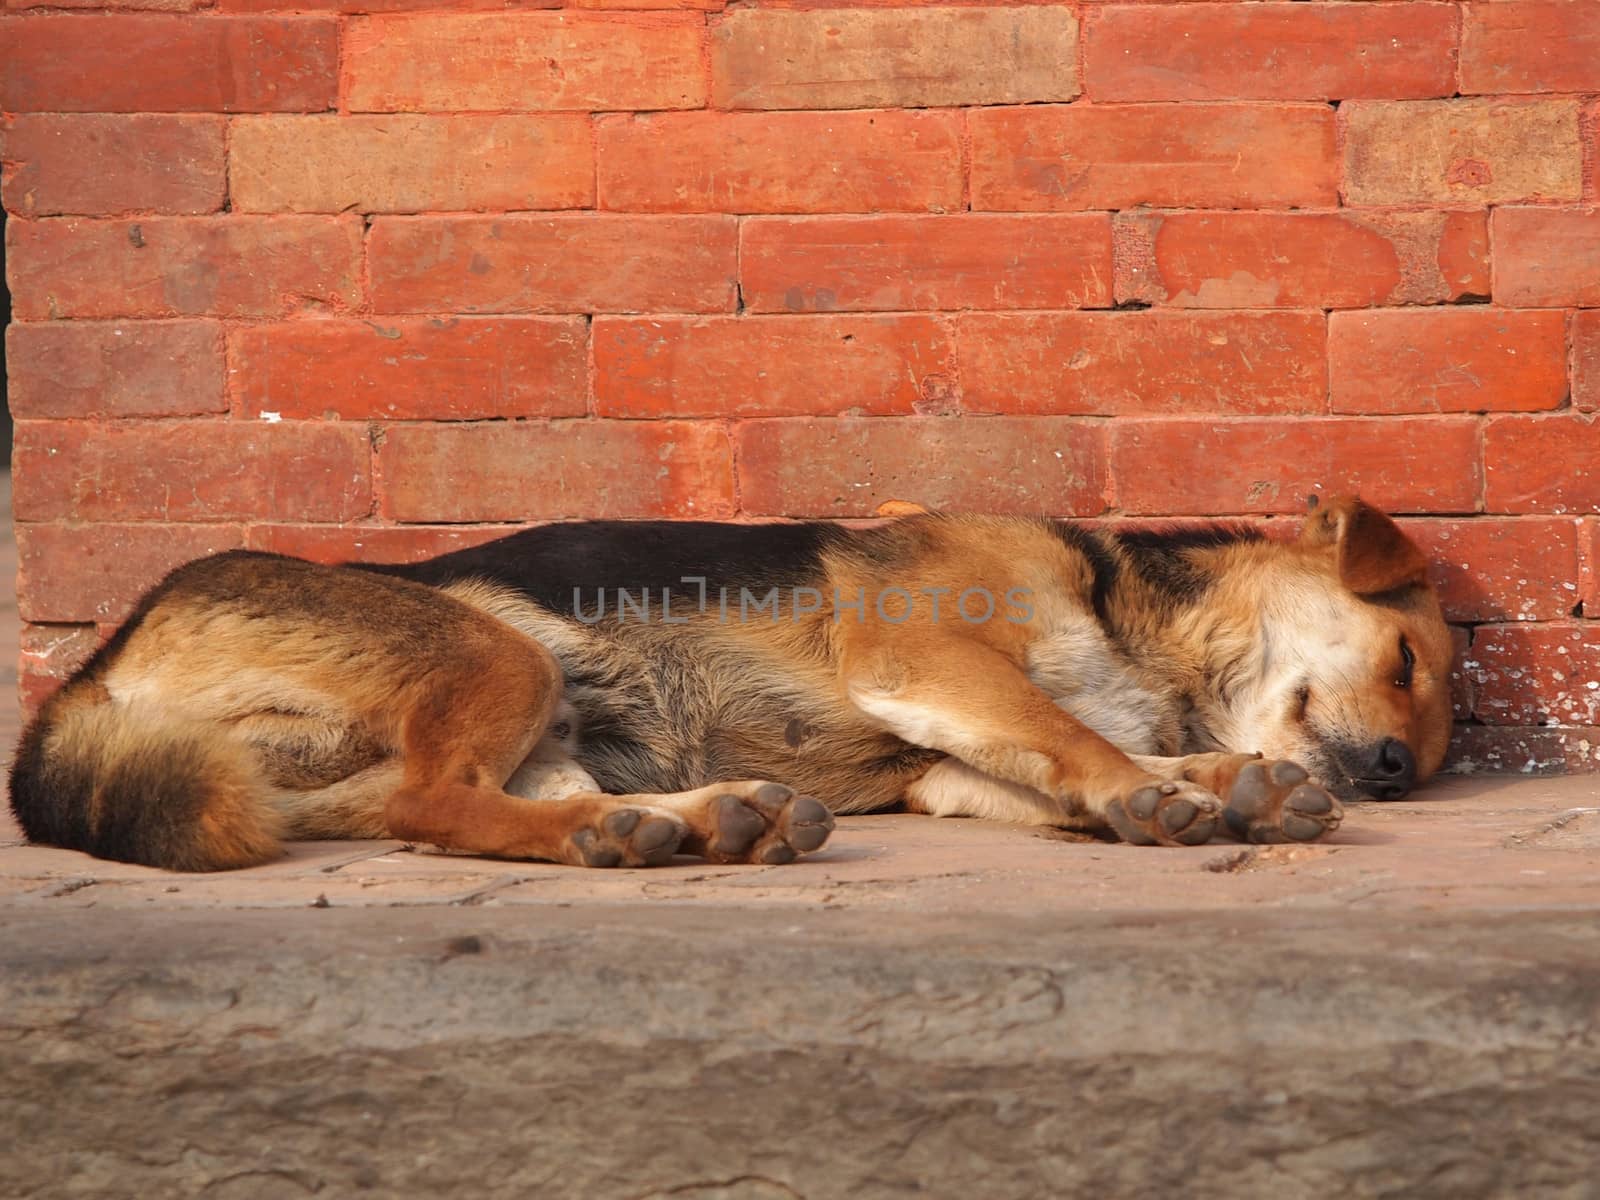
{"type": "Point", "coordinates": [50, 653]}
{"type": "Point", "coordinates": [115, 369]}
{"type": "Point", "coordinates": [231, 266]}
{"type": "Point", "coordinates": [1492, 569]}
{"type": "Point", "coordinates": [770, 366]}
{"type": "Point", "coordinates": [690, 5]}
{"type": "Point", "coordinates": [1586, 360]}
{"type": "Point", "coordinates": [454, 368]}
{"type": "Point", "coordinates": [572, 61]}
{"type": "Point", "coordinates": [139, 5]}
{"type": "Point", "coordinates": [1270, 51]}
{"type": "Point", "coordinates": [1205, 467]}
{"type": "Point", "coordinates": [1499, 749]}
{"type": "Point", "coordinates": [1143, 362]}
{"type": "Point", "coordinates": [1461, 151]}
{"type": "Point", "coordinates": [405, 163]}
{"type": "Point", "coordinates": [780, 162]}
{"type": "Point", "coordinates": [1547, 256]}
{"type": "Point", "coordinates": [534, 471]}
{"type": "Point", "coordinates": [1543, 674]}
{"type": "Point", "coordinates": [1300, 260]}
{"type": "Point", "coordinates": [370, 543]}
{"type": "Point", "coordinates": [102, 164]}
{"type": "Point", "coordinates": [190, 471]}
{"type": "Point", "coordinates": [1589, 567]}
{"type": "Point", "coordinates": [98, 572]}
{"type": "Point", "coordinates": [845, 468]}
{"type": "Point", "coordinates": [1119, 156]}
{"type": "Point", "coordinates": [587, 263]}
{"type": "Point", "coordinates": [156, 62]}
{"type": "Point", "coordinates": [387, 6]}
{"type": "Point", "coordinates": [1542, 464]}
{"type": "Point", "coordinates": [893, 58]}
{"type": "Point", "coordinates": [1475, 359]}
{"type": "Point", "coordinates": [892, 262]}
{"type": "Point", "coordinates": [1531, 46]}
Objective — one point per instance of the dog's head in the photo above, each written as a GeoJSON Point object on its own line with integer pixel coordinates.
{"type": "Point", "coordinates": [1353, 681]}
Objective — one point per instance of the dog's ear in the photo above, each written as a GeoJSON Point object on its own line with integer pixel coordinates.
{"type": "Point", "coordinates": [1370, 552]}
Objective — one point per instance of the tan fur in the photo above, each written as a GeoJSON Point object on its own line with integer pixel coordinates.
{"type": "Point", "coordinates": [327, 702]}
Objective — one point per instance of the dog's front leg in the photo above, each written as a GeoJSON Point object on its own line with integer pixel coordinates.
{"type": "Point", "coordinates": [1262, 801]}
{"type": "Point", "coordinates": [974, 703]}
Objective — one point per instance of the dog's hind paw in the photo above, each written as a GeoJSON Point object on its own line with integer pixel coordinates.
{"type": "Point", "coordinates": [1278, 802]}
{"type": "Point", "coordinates": [626, 836]}
{"type": "Point", "coordinates": [1165, 813]}
{"type": "Point", "coordinates": [757, 823]}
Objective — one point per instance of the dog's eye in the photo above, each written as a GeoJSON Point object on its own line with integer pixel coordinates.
{"type": "Point", "coordinates": [1302, 701]}
{"type": "Point", "coordinates": [1408, 660]}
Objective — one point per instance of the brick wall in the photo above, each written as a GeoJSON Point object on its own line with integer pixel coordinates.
{"type": "Point", "coordinates": [374, 277]}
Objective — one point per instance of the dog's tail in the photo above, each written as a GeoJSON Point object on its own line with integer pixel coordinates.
{"type": "Point", "coordinates": [140, 786]}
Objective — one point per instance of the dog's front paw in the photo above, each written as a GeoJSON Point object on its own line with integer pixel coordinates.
{"type": "Point", "coordinates": [1165, 813]}
{"type": "Point", "coordinates": [1278, 802]}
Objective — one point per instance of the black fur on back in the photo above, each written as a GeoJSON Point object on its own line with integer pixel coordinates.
{"type": "Point", "coordinates": [1165, 558]}
{"type": "Point", "coordinates": [554, 563]}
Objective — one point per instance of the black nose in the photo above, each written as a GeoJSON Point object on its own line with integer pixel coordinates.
{"type": "Point", "coordinates": [1392, 771]}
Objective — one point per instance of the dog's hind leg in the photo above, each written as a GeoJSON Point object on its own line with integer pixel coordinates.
{"type": "Point", "coordinates": [1262, 801]}
{"type": "Point", "coordinates": [745, 821]}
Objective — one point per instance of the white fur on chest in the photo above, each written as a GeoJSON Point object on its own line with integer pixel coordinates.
{"type": "Point", "coordinates": [1079, 668]}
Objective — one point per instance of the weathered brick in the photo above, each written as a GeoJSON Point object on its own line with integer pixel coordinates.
{"type": "Point", "coordinates": [1589, 567]}
{"type": "Point", "coordinates": [1300, 260]}
{"type": "Point", "coordinates": [1461, 690]}
{"type": "Point", "coordinates": [573, 61]}
{"type": "Point", "coordinates": [455, 368]}
{"type": "Point", "coordinates": [98, 572]}
{"type": "Point", "coordinates": [587, 263]}
{"type": "Point", "coordinates": [893, 58]}
{"type": "Point", "coordinates": [406, 163]}
{"type": "Point", "coordinates": [1204, 467]}
{"type": "Point", "coordinates": [971, 260]}
{"type": "Point", "coordinates": [1530, 46]}
{"type": "Point", "coordinates": [534, 471]}
{"type": "Point", "coordinates": [1542, 464]}
{"type": "Point", "coordinates": [78, 369]}
{"type": "Point", "coordinates": [845, 468]}
{"type": "Point", "coordinates": [1586, 359]}
{"type": "Point", "coordinates": [1119, 156]}
{"type": "Point", "coordinates": [1474, 359]}
{"type": "Point", "coordinates": [1524, 750]}
{"type": "Point", "coordinates": [191, 471]}
{"type": "Point", "coordinates": [1505, 569]}
{"type": "Point", "coordinates": [370, 543]}
{"type": "Point", "coordinates": [1539, 674]}
{"type": "Point", "coordinates": [771, 366]}
{"type": "Point", "coordinates": [159, 62]}
{"type": "Point", "coordinates": [781, 162]}
{"type": "Point", "coordinates": [1270, 51]}
{"type": "Point", "coordinates": [1143, 362]}
{"type": "Point", "coordinates": [1461, 151]}
{"type": "Point", "coordinates": [103, 164]}
{"type": "Point", "coordinates": [50, 653]}
{"type": "Point", "coordinates": [229, 266]}
{"type": "Point", "coordinates": [1547, 256]}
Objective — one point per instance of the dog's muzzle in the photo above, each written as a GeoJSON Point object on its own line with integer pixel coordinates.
{"type": "Point", "coordinates": [1385, 771]}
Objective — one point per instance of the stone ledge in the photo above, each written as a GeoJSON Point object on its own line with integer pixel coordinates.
{"type": "Point", "coordinates": [945, 1006]}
